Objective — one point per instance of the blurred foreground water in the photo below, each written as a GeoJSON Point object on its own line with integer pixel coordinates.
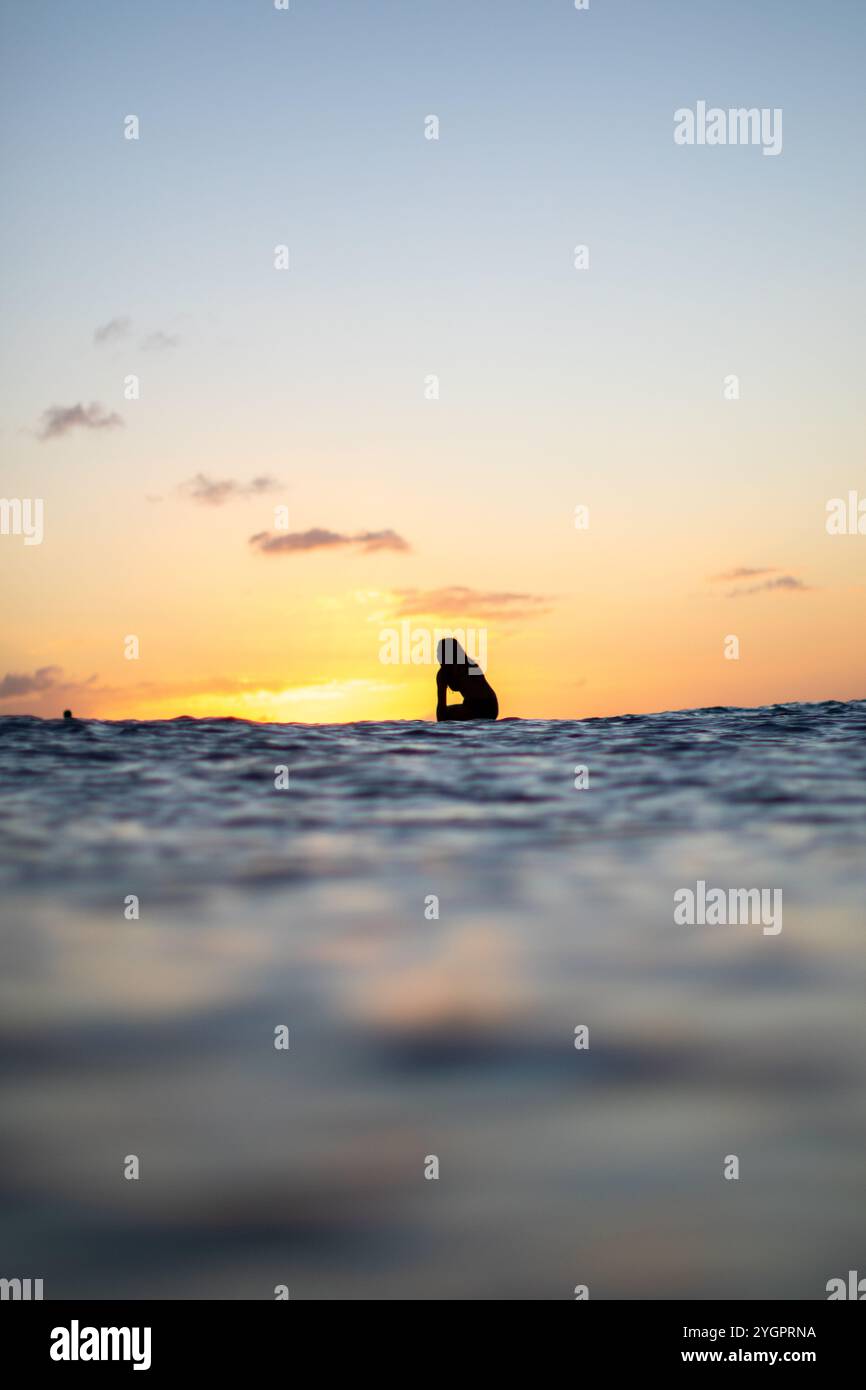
{"type": "Point", "coordinates": [414, 1036]}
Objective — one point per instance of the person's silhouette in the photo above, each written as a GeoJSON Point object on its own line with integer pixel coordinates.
{"type": "Point", "coordinates": [460, 673]}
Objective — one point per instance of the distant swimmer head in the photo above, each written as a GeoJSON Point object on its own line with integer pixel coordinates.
{"type": "Point", "coordinates": [67, 714]}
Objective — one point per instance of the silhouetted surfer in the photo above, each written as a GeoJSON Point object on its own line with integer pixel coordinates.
{"type": "Point", "coordinates": [460, 673]}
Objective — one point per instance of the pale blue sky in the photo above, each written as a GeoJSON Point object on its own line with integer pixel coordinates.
{"type": "Point", "coordinates": [306, 127]}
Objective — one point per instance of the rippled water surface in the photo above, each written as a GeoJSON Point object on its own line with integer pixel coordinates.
{"type": "Point", "coordinates": [413, 1035]}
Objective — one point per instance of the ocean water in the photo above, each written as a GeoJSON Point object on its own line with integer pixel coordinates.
{"type": "Point", "coordinates": [414, 1035]}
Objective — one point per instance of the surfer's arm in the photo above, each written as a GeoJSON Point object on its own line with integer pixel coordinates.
{"type": "Point", "coordinates": [441, 695]}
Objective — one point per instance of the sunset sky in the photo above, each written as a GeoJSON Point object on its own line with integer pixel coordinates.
{"type": "Point", "coordinates": [305, 388]}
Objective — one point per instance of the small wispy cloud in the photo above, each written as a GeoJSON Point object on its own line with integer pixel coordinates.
{"type": "Point", "coordinates": [457, 600]}
{"type": "Point", "coordinates": [113, 331]}
{"type": "Point", "coordinates": [159, 341]}
{"type": "Point", "coordinates": [787, 582]}
{"type": "Point", "coordinates": [60, 419]}
{"type": "Point", "coordinates": [213, 492]}
{"type": "Point", "coordinates": [784, 582]}
{"type": "Point", "coordinates": [296, 542]}
{"type": "Point", "coordinates": [742, 572]}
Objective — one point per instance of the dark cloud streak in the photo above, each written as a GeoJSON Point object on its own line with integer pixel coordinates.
{"type": "Point", "coordinates": [58, 420]}
{"type": "Point", "coordinates": [317, 538]}
{"type": "Point", "coordinates": [15, 683]}
{"type": "Point", "coordinates": [213, 492]}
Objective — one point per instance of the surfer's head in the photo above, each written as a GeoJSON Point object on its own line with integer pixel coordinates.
{"type": "Point", "coordinates": [454, 661]}
{"type": "Point", "coordinates": [450, 653]}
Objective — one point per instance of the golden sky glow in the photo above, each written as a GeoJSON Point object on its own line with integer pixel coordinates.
{"type": "Point", "coordinates": [627, 615]}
